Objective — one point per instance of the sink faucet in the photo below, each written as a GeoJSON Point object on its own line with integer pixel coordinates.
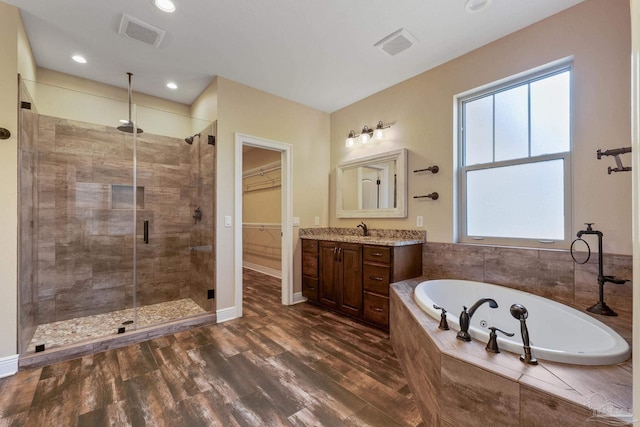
{"type": "Point", "coordinates": [365, 230]}
{"type": "Point", "coordinates": [465, 317]}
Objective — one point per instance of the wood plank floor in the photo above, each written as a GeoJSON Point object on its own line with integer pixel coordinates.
{"type": "Point", "coordinates": [276, 366]}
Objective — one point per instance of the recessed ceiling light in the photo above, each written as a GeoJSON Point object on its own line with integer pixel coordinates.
{"type": "Point", "coordinates": [165, 5]}
{"type": "Point", "coordinates": [172, 85]}
{"type": "Point", "coordinates": [476, 5]}
{"type": "Point", "coordinates": [79, 59]}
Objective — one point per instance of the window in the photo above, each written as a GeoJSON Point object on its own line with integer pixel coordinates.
{"type": "Point", "coordinates": [514, 161]}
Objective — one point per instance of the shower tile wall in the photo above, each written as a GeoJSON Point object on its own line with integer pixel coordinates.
{"type": "Point", "coordinates": [84, 245]}
{"type": "Point", "coordinates": [202, 238]}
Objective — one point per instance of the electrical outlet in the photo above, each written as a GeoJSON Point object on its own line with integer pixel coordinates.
{"type": "Point", "coordinates": [227, 220]}
{"type": "Point", "coordinates": [296, 221]}
{"type": "Point", "coordinates": [316, 220]}
{"type": "Point", "coordinates": [419, 221]}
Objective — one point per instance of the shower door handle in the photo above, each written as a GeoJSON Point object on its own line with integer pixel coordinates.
{"type": "Point", "coordinates": [146, 232]}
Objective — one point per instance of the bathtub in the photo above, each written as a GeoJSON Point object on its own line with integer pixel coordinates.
{"type": "Point", "coordinates": [557, 333]}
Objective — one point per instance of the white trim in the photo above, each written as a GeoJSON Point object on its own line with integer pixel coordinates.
{"type": "Point", "coordinates": [262, 269]}
{"type": "Point", "coordinates": [9, 365]}
{"type": "Point", "coordinates": [225, 314]}
{"type": "Point", "coordinates": [298, 298]}
{"type": "Point", "coordinates": [287, 215]}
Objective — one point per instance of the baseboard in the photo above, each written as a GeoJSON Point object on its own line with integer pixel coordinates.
{"type": "Point", "coordinates": [298, 298]}
{"type": "Point", "coordinates": [226, 314]}
{"type": "Point", "coordinates": [262, 269]}
{"type": "Point", "coordinates": [8, 365]}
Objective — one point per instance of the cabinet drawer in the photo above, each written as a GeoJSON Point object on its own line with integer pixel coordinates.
{"type": "Point", "coordinates": [310, 288]}
{"type": "Point", "coordinates": [376, 309]}
{"type": "Point", "coordinates": [375, 278]}
{"type": "Point", "coordinates": [310, 246]}
{"type": "Point", "coordinates": [377, 254]}
{"type": "Point", "coordinates": [310, 264]}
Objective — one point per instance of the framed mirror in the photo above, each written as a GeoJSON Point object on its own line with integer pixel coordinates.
{"type": "Point", "coordinates": [373, 186]}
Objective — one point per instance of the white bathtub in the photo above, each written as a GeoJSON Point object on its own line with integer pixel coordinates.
{"type": "Point", "coordinates": [557, 332]}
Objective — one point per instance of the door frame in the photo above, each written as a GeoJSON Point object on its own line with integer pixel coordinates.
{"type": "Point", "coordinates": [286, 221]}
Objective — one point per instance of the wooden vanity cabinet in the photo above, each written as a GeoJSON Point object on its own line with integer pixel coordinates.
{"type": "Point", "coordinates": [354, 278]}
{"type": "Point", "coordinates": [310, 282]}
{"type": "Point", "coordinates": [383, 265]}
{"type": "Point", "coordinates": [341, 277]}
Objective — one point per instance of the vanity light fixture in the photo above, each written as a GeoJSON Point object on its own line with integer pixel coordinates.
{"type": "Point", "coordinates": [366, 134]}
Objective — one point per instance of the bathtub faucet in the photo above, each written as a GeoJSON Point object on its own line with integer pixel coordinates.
{"type": "Point", "coordinates": [465, 317]}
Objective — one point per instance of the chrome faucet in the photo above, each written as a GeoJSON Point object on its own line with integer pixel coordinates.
{"type": "Point", "coordinates": [365, 230]}
{"type": "Point", "coordinates": [465, 317]}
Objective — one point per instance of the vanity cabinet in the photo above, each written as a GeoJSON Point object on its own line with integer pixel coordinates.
{"type": "Point", "coordinates": [354, 278]}
{"type": "Point", "coordinates": [310, 270]}
{"type": "Point", "coordinates": [341, 277]}
{"type": "Point", "coordinates": [383, 265]}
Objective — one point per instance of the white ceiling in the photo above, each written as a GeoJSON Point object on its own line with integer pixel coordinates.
{"type": "Point", "coordinates": [317, 52]}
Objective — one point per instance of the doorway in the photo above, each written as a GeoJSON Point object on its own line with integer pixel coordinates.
{"type": "Point", "coordinates": [242, 143]}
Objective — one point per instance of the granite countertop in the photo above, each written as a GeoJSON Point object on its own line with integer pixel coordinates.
{"type": "Point", "coordinates": [376, 236]}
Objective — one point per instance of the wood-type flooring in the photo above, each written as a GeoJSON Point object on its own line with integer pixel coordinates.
{"type": "Point", "coordinates": [276, 366]}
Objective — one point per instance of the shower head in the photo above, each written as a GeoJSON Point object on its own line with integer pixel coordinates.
{"type": "Point", "coordinates": [128, 126]}
{"type": "Point", "coordinates": [519, 311]}
{"type": "Point", "coordinates": [189, 139]}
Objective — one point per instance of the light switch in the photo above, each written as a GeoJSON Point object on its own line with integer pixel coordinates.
{"type": "Point", "coordinates": [227, 220]}
{"type": "Point", "coordinates": [419, 221]}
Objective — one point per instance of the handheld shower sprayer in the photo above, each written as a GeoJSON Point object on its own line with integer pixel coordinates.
{"type": "Point", "coordinates": [189, 139]}
{"type": "Point", "coordinates": [519, 312]}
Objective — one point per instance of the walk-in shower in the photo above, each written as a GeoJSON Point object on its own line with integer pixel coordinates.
{"type": "Point", "coordinates": [106, 226]}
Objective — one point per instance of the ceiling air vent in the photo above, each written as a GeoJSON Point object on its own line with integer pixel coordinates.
{"type": "Point", "coordinates": [396, 42]}
{"type": "Point", "coordinates": [141, 31]}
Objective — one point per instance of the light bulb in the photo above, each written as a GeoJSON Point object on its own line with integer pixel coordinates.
{"type": "Point", "coordinates": [350, 139]}
{"type": "Point", "coordinates": [378, 134]}
{"type": "Point", "coordinates": [364, 138]}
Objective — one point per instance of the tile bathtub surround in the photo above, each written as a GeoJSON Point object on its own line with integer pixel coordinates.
{"type": "Point", "coordinates": [549, 273]}
{"type": "Point", "coordinates": [457, 383]}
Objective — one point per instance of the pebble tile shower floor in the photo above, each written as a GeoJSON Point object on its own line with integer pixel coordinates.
{"type": "Point", "coordinates": [80, 329]}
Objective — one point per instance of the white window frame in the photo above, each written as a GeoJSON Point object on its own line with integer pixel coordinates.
{"type": "Point", "coordinates": [492, 89]}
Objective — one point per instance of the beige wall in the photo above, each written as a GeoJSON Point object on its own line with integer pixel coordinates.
{"type": "Point", "coordinates": [10, 24]}
{"type": "Point", "coordinates": [242, 109]}
{"type": "Point", "coordinates": [62, 95]}
{"type": "Point", "coordinates": [596, 33]}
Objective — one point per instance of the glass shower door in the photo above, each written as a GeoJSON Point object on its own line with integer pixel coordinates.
{"type": "Point", "coordinates": [174, 217]}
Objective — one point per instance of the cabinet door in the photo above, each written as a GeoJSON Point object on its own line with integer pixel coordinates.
{"type": "Point", "coordinates": [350, 260]}
{"type": "Point", "coordinates": [329, 281]}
